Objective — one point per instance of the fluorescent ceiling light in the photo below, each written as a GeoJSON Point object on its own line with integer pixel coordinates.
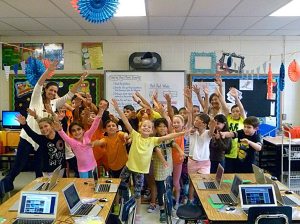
{"type": "Point", "coordinates": [290, 9]}
{"type": "Point", "coordinates": [131, 8]}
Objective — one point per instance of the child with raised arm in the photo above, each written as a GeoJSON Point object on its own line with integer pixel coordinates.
{"type": "Point", "coordinates": [81, 144]}
{"type": "Point", "coordinates": [140, 153]}
{"type": "Point", "coordinates": [248, 143]}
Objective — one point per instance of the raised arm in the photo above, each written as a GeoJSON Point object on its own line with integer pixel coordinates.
{"type": "Point", "coordinates": [189, 106]}
{"type": "Point", "coordinates": [167, 96]}
{"type": "Point", "coordinates": [234, 93]}
{"type": "Point", "coordinates": [122, 115]}
{"type": "Point", "coordinates": [196, 90]}
{"type": "Point", "coordinates": [146, 104]}
{"type": "Point", "coordinates": [171, 136]}
{"type": "Point", "coordinates": [225, 109]}
{"type": "Point", "coordinates": [77, 84]}
{"type": "Point", "coordinates": [47, 74]}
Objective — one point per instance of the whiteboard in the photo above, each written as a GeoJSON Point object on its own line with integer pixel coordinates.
{"type": "Point", "coordinates": [120, 85]}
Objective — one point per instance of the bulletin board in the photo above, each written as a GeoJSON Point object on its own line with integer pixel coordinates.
{"type": "Point", "coordinates": [21, 90]}
{"type": "Point", "coordinates": [122, 84]}
{"type": "Point", "coordinates": [254, 96]}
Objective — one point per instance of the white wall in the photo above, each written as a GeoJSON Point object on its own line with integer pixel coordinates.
{"type": "Point", "coordinates": [175, 53]}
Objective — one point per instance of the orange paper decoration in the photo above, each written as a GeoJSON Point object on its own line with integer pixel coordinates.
{"type": "Point", "coordinates": [294, 71]}
{"type": "Point", "coordinates": [270, 83]}
{"type": "Point", "coordinates": [74, 4]}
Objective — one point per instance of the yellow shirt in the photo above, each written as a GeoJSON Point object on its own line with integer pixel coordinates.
{"type": "Point", "coordinates": [140, 153]}
{"type": "Point", "coordinates": [234, 125]}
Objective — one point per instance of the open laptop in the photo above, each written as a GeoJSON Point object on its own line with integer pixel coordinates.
{"type": "Point", "coordinates": [103, 187]}
{"type": "Point", "coordinates": [37, 207]}
{"type": "Point", "coordinates": [50, 184]}
{"type": "Point", "coordinates": [202, 185]}
{"type": "Point", "coordinates": [232, 197]}
{"type": "Point", "coordinates": [289, 200]}
{"type": "Point", "coordinates": [258, 174]}
{"type": "Point", "coordinates": [76, 206]}
{"type": "Point", "coordinates": [255, 195]}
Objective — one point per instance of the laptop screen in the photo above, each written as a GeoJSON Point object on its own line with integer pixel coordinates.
{"type": "Point", "coordinates": [219, 174]}
{"type": "Point", "coordinates": [257, 195]}
{"type": "Point", "coordinates": [71, 196]}
{"type": "Point", "coordinates": [37, 203]}
{"type": "Point", "coordinates": [235, 185]}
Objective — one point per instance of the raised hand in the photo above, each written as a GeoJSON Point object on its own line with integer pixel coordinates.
{"type": "Point", "coordinates": [21, 119]}
{"type": "Point", "coordinates": [218, 80]}
{"type": "Point", "coordinates": [196, 89]}
{"type": "Point", "coordinates": [233, 92]}
{"type": "Point", "coordinates": [83, 76]}
{"type": "Point", "coordinates": [135, 97]}
{"type": "Point", "coordinates": [32, 113]}
{"type": "Point", "coordinates": [53, 65]}
{"type": "Point", "coordinates": [167, 96]}
{"type": "Point", "coordinates": [57, 125]}
{"type": "Point", "coordinates": [115, 103]}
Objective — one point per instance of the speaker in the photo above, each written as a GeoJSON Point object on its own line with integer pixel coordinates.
{"type": "Point", "coordinates": [145, 61]}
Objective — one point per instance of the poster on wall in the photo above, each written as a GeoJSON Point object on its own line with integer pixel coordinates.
{"type": "Point", "coordinates": [92, 56]}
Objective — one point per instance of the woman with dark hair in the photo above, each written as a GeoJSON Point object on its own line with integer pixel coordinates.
{"type": "Point", "coordinates": [43, 100]}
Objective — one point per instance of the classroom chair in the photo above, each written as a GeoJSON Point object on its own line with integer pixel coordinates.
{"type": "Point", "coordinates": [190, 213]}
{"type": "Point", "coordinates": [270, 215]}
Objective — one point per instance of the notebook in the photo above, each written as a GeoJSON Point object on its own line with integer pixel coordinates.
{"type": "Point", "coordinates": [258, 174]}
{"type": "Point", "coordinates": [202, 185]}
{"type": "Point", "coordinates": [76, 206]}
{"type": "Point", "coordinates": [37, 207]}
{"type": "Point", "coordinates": [107, 187]}
{"type": "Point", "coordinates": [50, 184]}
{"type": "Point", "coordinates": [232, 197]}
{"type": "Point", "coordinates": [255, 195]}
{"type": "Point", "coordinates": [289, 200]}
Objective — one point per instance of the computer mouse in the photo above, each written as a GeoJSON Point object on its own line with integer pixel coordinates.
{"type": "Point", "coordinates": [288, 192]}
{"type": "Point", "coordinates": [273, 178]}
{"type": "Point", "coordinates": [103, 200]}
{"type": "Point", "coordinates": [230, 208]}
{"type": "Point", "coordinates": [108, 181]}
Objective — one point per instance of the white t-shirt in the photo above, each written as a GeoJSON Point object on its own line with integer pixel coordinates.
{"type": "Point", "coordinates": [199, 146]}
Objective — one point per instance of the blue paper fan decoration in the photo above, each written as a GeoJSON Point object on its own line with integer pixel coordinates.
{"type": "Point", "coordinates": [97, 11]}
{"type": "Point", "coordinates": [34, 69]}
{"type": "Point", "coordinates": [281, 77]}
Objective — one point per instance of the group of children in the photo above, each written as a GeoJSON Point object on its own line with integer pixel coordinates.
{"type": "Point", "coordinates": [158, 141]}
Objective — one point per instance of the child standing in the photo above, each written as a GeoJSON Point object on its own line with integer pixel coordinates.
{"type": "Point", "coordinates": [140, 154]}
{"type": "Point", "coordinates": [248, 143]}
{"type": "Point", "coordinates": [80, 144]}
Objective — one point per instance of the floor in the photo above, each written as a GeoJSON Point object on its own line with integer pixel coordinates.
{"type": "Point", "coordinates": [26, 177]}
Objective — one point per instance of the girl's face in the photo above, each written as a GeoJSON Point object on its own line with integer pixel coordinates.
{"type": "Point", "coordinates": [236, 113]}
{"type": "Point", "coordinates": [177, 124]}
{"type": "Point", "coordinates": [77, 132]}
{"type": "Point", "coordinates": [184, 114]}
{"type": "Point", "coordinates": [220, 126]}
{"type": "Point", "coordinates": [161, 129]}
{"type": "Point", "coordinates": [46, 128]}
{"type": "Point", "coordinates": [146, 128]}
{"type": "Point", "coordinates": [198, 123]}
{"type": "Point", "coordinates": [111, 128]}
{"type": "Point", "coordinates": [215, 102]}
{"type": "Point", "coordinates": [51, 92]}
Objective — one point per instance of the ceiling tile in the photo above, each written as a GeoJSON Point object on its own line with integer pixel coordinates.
{"type": "Point", "coordinates": [127, 23]}
{"type": "Point", "coordinates": [12, 33]}
{"type": "Point", "coordinates": [226, 32]}
{"type": "Point", "coordinates": [295, 32]}
{"type": "Point", "coordinates": [133, 32]}
{"type": "Point", "coordinates": [36, 8]}
{"type": "Point", "coordinates": [92, 26]}
{"type": "Point", "coordinates": [72, 32]}
{"type": "Point", "coordinates": [212, 7]}
{"type": "Point", "coordinates": [168, 7]}
{"type": "Point", "coordinates": [66, 7]}
{"type": "Point", "coordinates": [194, 32]}
{"type": "Point", "coordinates": [202, 22]}
{"type": "Point", "coordinates": [24, 23]}
{"type": "Point", "coordinates": [163, 32]}
{"type": "Point", "coordinates": [257, 7]}
{"type": "Point", "coordinates": [41, 33]}
{"type": "Point", "coordinates": [237, 22]}
{"type": "Point", "coordinates": [8, 11]}
{"type": "Point", "coordinates": [4, 26]}
{"type": "Point", "coordinates": [166, 22]}
{"type": "Point", "coordinates": [102, 32]}
{"type": "Point", "coordinates": [292, 25]}
{"type": "Point", "coordinates": [257, 32]}
{"type": "Point", "coordinates": [272, 23]}
{"type": "Point", "coordinates": [59, 23]}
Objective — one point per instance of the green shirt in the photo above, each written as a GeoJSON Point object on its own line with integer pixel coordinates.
{"type": "Point", "coordinates": [234, 125]}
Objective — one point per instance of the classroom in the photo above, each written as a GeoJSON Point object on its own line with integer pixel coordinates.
{"type": "Point", "coordinates": [243, 53]}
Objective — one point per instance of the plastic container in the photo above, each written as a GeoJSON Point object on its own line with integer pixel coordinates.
{"type": "Point", "coordinates": [294, 130]}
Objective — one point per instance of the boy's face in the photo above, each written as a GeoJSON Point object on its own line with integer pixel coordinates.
{"type": "Point", "coordinates": [196, 110]}
{"type": "Point", "coordinates": [184, 114]}
{"type": "Point", "coordinates": [198, 123]}
{"type": "Point", "coordinates": [146, 128]}
{"type": "Point", "coordinates": [249, 130]}
{"type": "Point", "coordinates": [128, 113]}
{"type": "Point", "coordinates": [235, 113]}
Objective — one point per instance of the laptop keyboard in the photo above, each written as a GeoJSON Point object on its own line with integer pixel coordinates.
{"type": "Point", "coordinates": [210, 185]}
{"type": "Point", "coordinates": [103, 188]}
{"type": "Point", "coordinates": [225, 198]}
{"type": "Point", "coordinates": [32, 221]}
{"type": "Point", "coordinates": [84, 209]}
{"type": "Point", "coordinates": [288, 201]}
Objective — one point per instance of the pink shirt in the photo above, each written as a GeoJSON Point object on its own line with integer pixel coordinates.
{"type": "Point", "coordinates": [83, 150]}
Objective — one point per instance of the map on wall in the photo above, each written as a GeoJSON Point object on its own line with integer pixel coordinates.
{"type": "Point", "coordinates": [92, 56]}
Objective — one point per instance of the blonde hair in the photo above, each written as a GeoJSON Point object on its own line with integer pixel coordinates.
{"type": "Point", "coordinates": [180, 117]}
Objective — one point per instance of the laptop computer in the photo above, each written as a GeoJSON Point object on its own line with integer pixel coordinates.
{"type": "Point", "coordinates": [103, 187]}
{"type": "Point", "coordinates": [255, 195]}
{"type": "Point", "coordinates": [202, 185]}
{"type": "Point", "coordinates": [37, 207]}
{"type": "Point", "coordinates": [289, 200]}
{"type": "Point", "coordinates": [258, 174]}
{"type": "Point", "coordinates": [50, 184]}
{"type": "Point", "coordinates": [76, 206]}
{"type": "Point", "coordinates": [232, 197]}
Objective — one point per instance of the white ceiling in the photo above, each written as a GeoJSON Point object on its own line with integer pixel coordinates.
{"type": "Point", "coordinates": [164, 17]}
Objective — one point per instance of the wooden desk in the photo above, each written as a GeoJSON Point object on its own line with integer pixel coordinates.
{"type": "Point", "coordinates": [63, 214]}
{"type": "Point", "coordinates": [214, 215]}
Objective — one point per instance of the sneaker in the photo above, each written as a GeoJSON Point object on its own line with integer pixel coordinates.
{"type": "Point", "coordinates": [163, 217]}
{"type": "Point", "coordinates": [151, 208]}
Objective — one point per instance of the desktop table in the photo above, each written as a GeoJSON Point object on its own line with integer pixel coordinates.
{"type": "Point", "coordinates": [222, 216]}
{"type": "Point", "coordinates": [85, 189]}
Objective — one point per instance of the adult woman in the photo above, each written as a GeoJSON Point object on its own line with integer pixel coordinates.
{"type": "Point", "coordinates": [41, 100]}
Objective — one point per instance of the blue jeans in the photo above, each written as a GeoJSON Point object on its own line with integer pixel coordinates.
{"type": "Point", "coordinates": [214, 165]}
